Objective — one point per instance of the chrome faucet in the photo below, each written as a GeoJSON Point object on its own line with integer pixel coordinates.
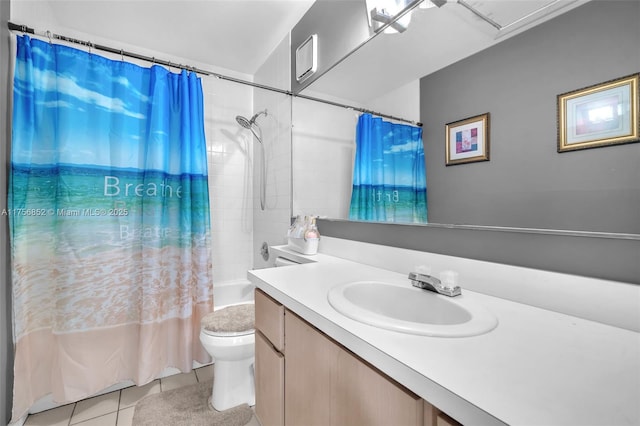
{"type": "Point", "coordinates": [428, 282]}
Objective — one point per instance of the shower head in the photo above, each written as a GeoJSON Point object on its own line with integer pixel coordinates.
{"type": "Point", "coordinates": [250, 123]}
{"type": "Point", "coordinates": [244, 122]}
{"type": "Point", "coordinates": [247, 123]}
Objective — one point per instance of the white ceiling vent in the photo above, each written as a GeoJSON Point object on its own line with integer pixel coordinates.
{"type": "Point", "coordinates": [307, 58]}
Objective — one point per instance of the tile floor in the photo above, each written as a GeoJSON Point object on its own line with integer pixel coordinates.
{"type": "Point", "coordinates": [116, 408]}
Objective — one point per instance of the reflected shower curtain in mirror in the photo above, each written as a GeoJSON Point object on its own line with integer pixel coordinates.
{"type": "Point", "coordinates": [109, 222]}
{"type": "Point", "coordinates": [389, 179]}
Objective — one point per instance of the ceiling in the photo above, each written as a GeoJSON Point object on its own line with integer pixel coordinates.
{"type": "Point", "coordinates": [237, 35]}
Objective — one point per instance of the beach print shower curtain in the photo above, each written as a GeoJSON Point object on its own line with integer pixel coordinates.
{"type": "Point", "coordinates": [389, 179]}
{"type": "Point", "coordinates": [109, 222]}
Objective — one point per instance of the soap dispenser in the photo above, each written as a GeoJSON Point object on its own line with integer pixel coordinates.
{"type": "Point", "coordinates": [312, 229]}
{"type": "Point", "coordinates": [311, 236]}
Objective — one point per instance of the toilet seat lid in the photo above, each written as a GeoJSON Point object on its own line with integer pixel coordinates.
{"type": "Point", "coordinates": [233, 320]}
{"type": "Point", "coordinates": [228, 333]}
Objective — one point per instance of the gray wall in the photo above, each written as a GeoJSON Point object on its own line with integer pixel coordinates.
{"type": "Point", "coordinates": [527, 183]}
{"type": "Point", "coordinates": [6, 340]}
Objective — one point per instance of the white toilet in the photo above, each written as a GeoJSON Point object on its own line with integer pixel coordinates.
{"type": "Point", "coordinates": [228, 335]}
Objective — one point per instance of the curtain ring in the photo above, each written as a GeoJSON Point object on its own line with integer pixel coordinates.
{"type": "Point", "coordinates": [122, 55]}
{"type": "Point", "coordinates": [48, 34]}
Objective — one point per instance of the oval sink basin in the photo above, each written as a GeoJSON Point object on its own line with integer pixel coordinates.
{"type": "Point", "coordinates": [408, 309]}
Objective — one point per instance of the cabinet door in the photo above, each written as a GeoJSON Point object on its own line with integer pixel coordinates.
{"type": "Point", "coordinates": [443, 420]}
{"type": "Point", "coordinates": [269, 371]}
{"type": "Point", "coordinates": [270, 319]}
{"type": "Point", "coordinates": [309, 373]}
{"type": "Point", "coordinates": [435, 417]}
{"type": "Point", "coordinates": [364, 396]}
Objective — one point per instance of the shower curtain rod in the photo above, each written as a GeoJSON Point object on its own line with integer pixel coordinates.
{"type": "Point", "coordinates": [123, 53]}
{"type": "Point", "coordinates": [358, 109]}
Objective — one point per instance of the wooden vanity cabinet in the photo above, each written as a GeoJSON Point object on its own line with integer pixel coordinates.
{"type": "Point", "coordinates": [364, 396]}
{"type": "Point", "coordinates": [303, 377]}
{"type": "Point", "coordinates": [434, 417]}
{"type": "Point", "coordinates": [269, 363]}
{"type": "Point", "coordinates": [327, 385]}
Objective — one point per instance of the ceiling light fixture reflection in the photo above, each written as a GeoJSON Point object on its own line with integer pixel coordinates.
{"type": "Point", "coordinates": [383, 17]}
{"type": "Point", "coordinates": [392, 15]}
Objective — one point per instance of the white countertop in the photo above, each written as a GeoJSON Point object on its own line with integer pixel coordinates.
{"type": "Point", "coordinates": [537, 367]}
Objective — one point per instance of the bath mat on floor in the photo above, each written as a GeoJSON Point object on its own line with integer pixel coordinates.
{"type": "Point", "coordinates": [187, 406]}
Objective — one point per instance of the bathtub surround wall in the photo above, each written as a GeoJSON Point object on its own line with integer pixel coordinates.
{"type": "Point", "coordinates": [230, 155]}
{"type": "Point", "coordinates": [6, 340]}
{"type": "Point", "coordinates": [270, 225]}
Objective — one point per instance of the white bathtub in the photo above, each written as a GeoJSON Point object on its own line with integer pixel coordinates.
{"type": "Point", "coordinates": [232, 292]}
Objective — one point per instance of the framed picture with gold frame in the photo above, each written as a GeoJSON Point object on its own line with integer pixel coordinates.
{"type": "Point", "coordinates": [467, 140]}
{"type": "Point", "coordinates": [600, 115]}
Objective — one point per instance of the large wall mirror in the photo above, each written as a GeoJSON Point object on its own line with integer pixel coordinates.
{"type": "Point", "coordinates": [458, 59]}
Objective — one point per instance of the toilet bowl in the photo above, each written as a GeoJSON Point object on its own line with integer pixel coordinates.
{"type": "Point", "coordinates": [228, 335]}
